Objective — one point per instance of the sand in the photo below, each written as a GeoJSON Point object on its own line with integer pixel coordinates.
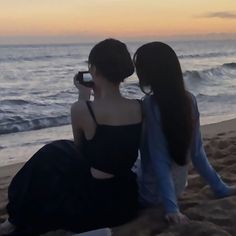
{"type": "Point", "coordinates": [209, 216]}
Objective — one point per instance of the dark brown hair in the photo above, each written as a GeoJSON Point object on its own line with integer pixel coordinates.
{"type": "Point", "coordinates": [112, 59]}
{"type": "Point", "coordinates": [158, 67]}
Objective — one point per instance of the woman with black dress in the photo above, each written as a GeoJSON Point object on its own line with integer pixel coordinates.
{"type": "Point", "coordinates": [85, 184]}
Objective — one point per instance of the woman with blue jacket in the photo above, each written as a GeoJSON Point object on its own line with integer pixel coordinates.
{"type": "Point", "coordinates": [171, 133]}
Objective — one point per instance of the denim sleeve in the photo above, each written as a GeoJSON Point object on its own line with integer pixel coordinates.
{"type": "Point", "coordinates": [164, 181]}
{"type": "Point", "coordinates": [202, 165]}
{"type": "Point", "coordinates": [161, 162]}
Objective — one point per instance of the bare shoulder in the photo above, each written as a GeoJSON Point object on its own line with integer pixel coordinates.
{"type": "Point", "coordinates": [134, 107]}
{"type": "Point", "coordinates": [78, 107]}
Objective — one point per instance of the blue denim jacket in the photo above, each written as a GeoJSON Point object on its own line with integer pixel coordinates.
{"type": "Point", "coordinates": [160, 179]}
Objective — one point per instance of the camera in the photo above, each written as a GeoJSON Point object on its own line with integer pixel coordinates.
{"type": "Point", "coordinates": [84, 78]}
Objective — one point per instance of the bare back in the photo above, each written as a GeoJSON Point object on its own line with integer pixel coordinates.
{"type": "Point", "coordinates": [113, 113]}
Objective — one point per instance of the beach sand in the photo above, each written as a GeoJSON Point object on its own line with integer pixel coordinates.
{"type": "Point", "coordinates": [209, 216]}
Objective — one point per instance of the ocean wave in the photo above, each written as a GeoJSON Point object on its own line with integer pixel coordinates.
{"type": "Point", "coordinates": [61, 93]}
{"type": "Point", "coordinates": [206, 55]}
{"type": "Point", "coordinates": [21, 102]}
{"type": "Point", "coordinates": [40, 58]}
{"type": "Point", "coordinates": [30, 58]}
{"type": "Point", "coordinates": [231, 65]}
{"type": "Point", "coordinates": [218, 98]}
{"type": "Point", "coordinates": [15, 102]}
{"type": "Point", "coordinates": [215, 72]}
{"type": "Point", "coordinates": [19, 125]}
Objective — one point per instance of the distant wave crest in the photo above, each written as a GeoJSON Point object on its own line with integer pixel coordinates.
{"type": "Point", "coordinates": [210, 73]}
{"type": "Point", "coordinates": [19, 125]}
{"type": "Point", "coordinates": [206, 55]}
{"type": "Point", "coordinates": [15, 102]}
{"type": "Point", "coordinates": [39, 58]}
{"type": "Point", "coordinates": [231, 65]}
{"type": "Point", "coordinates": [229, 98]}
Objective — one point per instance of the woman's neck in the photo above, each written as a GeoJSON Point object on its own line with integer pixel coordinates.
{"type": "Point", "coordinates": [107, 92]}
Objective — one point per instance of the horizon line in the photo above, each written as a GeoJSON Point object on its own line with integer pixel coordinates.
{"type": "Point", "coordinates": [89, 39]}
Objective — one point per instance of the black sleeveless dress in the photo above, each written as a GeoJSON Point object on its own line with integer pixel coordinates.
{"type": "Point", "coordinates": [55, 188]}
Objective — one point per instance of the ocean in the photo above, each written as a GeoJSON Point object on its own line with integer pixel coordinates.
{"type": "Point", "coordinates": [36, 89]}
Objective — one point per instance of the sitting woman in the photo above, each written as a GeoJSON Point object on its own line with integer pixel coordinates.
{"type": "Point", "coordinates": [171, 133]}
{"type": "Point", "coordinates": [85, 184]}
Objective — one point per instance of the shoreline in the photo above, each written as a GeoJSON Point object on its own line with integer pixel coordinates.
{"type": "Point", "coordinates": [26, 143]}
{"type": "Point", "coordinates": [223, 128]}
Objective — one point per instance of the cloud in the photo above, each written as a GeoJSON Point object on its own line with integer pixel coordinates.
{"type": "Point", "coordinates": [220, 14]}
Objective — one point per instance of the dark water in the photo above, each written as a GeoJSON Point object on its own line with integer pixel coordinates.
{"type": "Point", "coordinates": [36, 88]}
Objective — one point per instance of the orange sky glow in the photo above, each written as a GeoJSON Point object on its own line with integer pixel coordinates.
{"type": "Point", "coordinates": [113, 18]}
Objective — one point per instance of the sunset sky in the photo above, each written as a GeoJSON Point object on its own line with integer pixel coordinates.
{"type": "Point", "coordinates": [89, 19]}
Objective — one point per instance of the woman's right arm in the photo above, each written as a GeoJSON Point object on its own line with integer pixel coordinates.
{"type": "Point", "coordinates": [77, 111]}
{"type": "Point", "coordinates": [77, 122]}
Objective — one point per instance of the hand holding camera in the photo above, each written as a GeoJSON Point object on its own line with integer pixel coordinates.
{"type": "Point", "coordinates": [83, 81]}
{"type": "Point", "coordinates": [83, 78]}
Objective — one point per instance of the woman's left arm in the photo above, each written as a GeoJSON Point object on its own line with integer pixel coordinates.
{"type": "Point", "coordinates": [203, 166]}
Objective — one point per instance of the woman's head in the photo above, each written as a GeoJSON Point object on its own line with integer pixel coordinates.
{"type": "Point", "coordinates": [111, 60]}
{"type": "Point", "coordinates": [158, 67]}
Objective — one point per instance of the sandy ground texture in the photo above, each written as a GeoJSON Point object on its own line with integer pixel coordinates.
{"type": "Point", "coordinates": [209, 216]}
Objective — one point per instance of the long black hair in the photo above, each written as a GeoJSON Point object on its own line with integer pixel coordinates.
{"type": "Point", "coordinates": [158, 67]}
